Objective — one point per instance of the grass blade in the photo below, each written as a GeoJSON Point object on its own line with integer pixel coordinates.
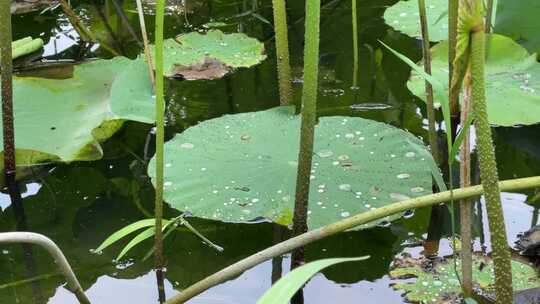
{"type": "Point", "coordinates": [125, 231]}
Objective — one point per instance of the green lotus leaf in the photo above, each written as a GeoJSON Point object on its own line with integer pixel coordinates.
{"type": "Point", "coordinates": [436, 282]}
{"type": "Point", "coordinates": [65, 120]}
{"type": "Point", "coordinates": [241, 168]}
{"type": "Point", "coordinates": [404, 17]}
{"type": "Point", "coordinates": [512, 81]}
{"type": "Point", "coordinates": [210, 55]}
{"type": "Point", "coordinates": [519, 20]}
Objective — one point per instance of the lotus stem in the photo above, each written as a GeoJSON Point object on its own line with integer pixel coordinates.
{"type": "Point", "coordinates": [309, 119]}
{"type": "Point", "coordinates": [489, 16]}
{"type": "Point", "coordinates": [282, 51]}
{"type": "Point", "coordinates": [355, 42]}
{"type": "Point", "coordinates": [84, 33]}
{"type": "Point", "coordinates": [466, 204]}
{"type": "Point", "coordinates": [488, 168]}
{"type": "Point", "coordinates": [53, 250]}
{"type": "Point", "coordinates": [432, 132]}
{"type": "Point", "coordinates": [160, 141]}
{"type": "Point", "coordinates": [238, 268]}
{"type": "Point", "coordinates": [6, 67]}
{"type": "Point", "coordinates": [147, 53]}
{"type": "Point", "coordinates": [453, 8]}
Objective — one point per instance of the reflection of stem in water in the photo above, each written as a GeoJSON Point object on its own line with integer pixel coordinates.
{"type": "Point", "coordinates": [108, 28]}
{"type": "Point", "coordinates": [160, 285]}
{"type": "Point", "coordinates": [434, 233]}
{"type": "Point", "coordinates": [355, 43]}
{"type": "Point", "coordinates": [277, 262]}
{"type": "Point", "coordinates": [120, 13]}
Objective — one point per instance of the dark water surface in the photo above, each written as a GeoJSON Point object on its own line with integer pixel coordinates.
{"type": "Point", "coordinates": [80, 204]}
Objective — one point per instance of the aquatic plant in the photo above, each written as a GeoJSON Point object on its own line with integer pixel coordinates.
{"type": "Point", "coordinates": [160, 141]}
{"type": "Point", "coordinates": [282, 51]}
{"type": "Point", "coordinates": [340, 226]}
{"type": "Point", "coordinates": [472, 44]}
{"type": "Point", "coordinates": [283, 290]}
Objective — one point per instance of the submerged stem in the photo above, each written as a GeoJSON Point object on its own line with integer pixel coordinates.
{"type": "Point", "coordinates": [309, 119]}
{"type": "Point", "coordinates": [282, 51]}
{"type": "Point", "coordinates": [337, 227]}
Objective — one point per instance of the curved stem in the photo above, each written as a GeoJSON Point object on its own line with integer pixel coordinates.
{"type": "Point", "coordinates": [282, 51]}
{"type": "Point", "coordinates": [337, 227]}
{"type": "Point", "coordinates": [59, 258]}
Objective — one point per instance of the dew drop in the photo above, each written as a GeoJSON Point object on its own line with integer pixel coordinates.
{"type": "Point", "coordinates": [345, 214]}
{"type": "Point", "coordinates": [325, 153]}
{"type": "Point", "coordinates": [345, 187]}
{"type": "Point", "coordinates": [417, 189]}
{"type": "Point", "coordinates": [343, 157]}
{"type": "Point", "coordinates": [403, 176]}
{"type": "Point", "coordinates": [399, 197]}
{"type": "Point", "coordinates": [410, 154]}
{"type": "Point", "coordinates": [187, 146]}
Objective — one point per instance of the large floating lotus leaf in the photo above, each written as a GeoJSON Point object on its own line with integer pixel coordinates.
{"type": "Point", "coordinates": [210, 55]}
{"type": "Point", "coordinates": [242, 167]}
{"type": "Point", "coordinates": [519, 20]}
{"type": "Point", "coordinates": [404, 17]}
{"type": "Point", "coordinates": [436, 282]}
{"type": "Point", "coordinates": [64, 120]}
{"type": "Point", "coordinates": [512, 81]}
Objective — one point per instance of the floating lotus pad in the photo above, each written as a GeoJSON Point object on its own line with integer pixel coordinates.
{"type": "Point", "coordinates": [404, 17]}
{"type": "Point", "coordinates": [519, 20]}
{"type": "Point", "coordinates": [512, 81]}
{"type": "Point", "coordinates": [194, 54]}
{"type": "Point", "coordinates": [64, 120]}
{"type": "Point", "coordinates": [438, 283]}
{"type": "Point", "coordinates": [242, 167]}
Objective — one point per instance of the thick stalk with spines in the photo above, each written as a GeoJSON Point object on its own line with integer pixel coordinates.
{"type": "Point", "coordinates": [284, 247]}
{"type": "Point", "coordinates": [466, 204]}
{"type": "Point", "coordinates": [6, 67]}
{"type": "Point", "coordinates": [282, 51]}
{"type": "Point", "coordinates": [432, 132]}
{"type": "Point", "coordinates": [355, 42]}
{"type": "Point", "coordinates": [472, 24]}
{"type": "Point", "coordinates": [160, 139]}
{"type": "Point", "coordinates": [309, 119]}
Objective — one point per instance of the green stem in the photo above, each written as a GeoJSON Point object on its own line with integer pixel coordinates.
{"type": "Point", "coordinates": [160, 131]}
{"type": "Point", "coordinates": [489, 16]}
{"type": "Point", "coordinates": [466, 205]}
{"type": "Point", "coordinates": [453, 8]}
{"type": "Point", "coordinates": [488, 169]}
{"type": "Point", "coordinates": [147, 53]}
{"type": "Point", "coordinates": [314, 235]}
{"type": "Point", "coordinates": [282, 51]}
{"type": "Point", "coordinates": [84, 33]}
{"type": "Point", "coordinates": [355, 42]}
{"type": "Point", "coordinates": [309, 119]}
{"type": "Point", "coordinates": [429, 89]}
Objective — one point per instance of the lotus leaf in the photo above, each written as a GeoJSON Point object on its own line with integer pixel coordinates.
{"type": "Point", "coordinates": [519, 20]}
{"type": "Point", "coordinates": [512, 81]}
{"type": "Point", "coordinates": [210, 55]}
{"type": "Point", "coordinates": [436, 282]}
{"type": "Point", "coordinates": [404, 17]}
{"type": "Point", "coordinates": [242, 167]}
{"type": "Point", "coordinates": [65, 120]}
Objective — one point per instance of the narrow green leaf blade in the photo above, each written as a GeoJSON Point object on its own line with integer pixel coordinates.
{"type": "Point", "coordinates": [141, 237]}
{"type": "Point", "coordinates": [459, 139]}
{"type": "Point", "coordinates": [285, 288]}
{"type": "Point", "coordinates": [125, 231]}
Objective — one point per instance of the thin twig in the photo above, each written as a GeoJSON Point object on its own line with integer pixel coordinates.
{"type": "Point", "coordinates": [147, 52]}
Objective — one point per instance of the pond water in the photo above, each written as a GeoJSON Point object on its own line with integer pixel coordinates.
{"type": "Point", "coordinates": [80, 204]}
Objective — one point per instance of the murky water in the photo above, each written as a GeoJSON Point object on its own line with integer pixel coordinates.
{"type": "Point", "coordinates": [79, 205]}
